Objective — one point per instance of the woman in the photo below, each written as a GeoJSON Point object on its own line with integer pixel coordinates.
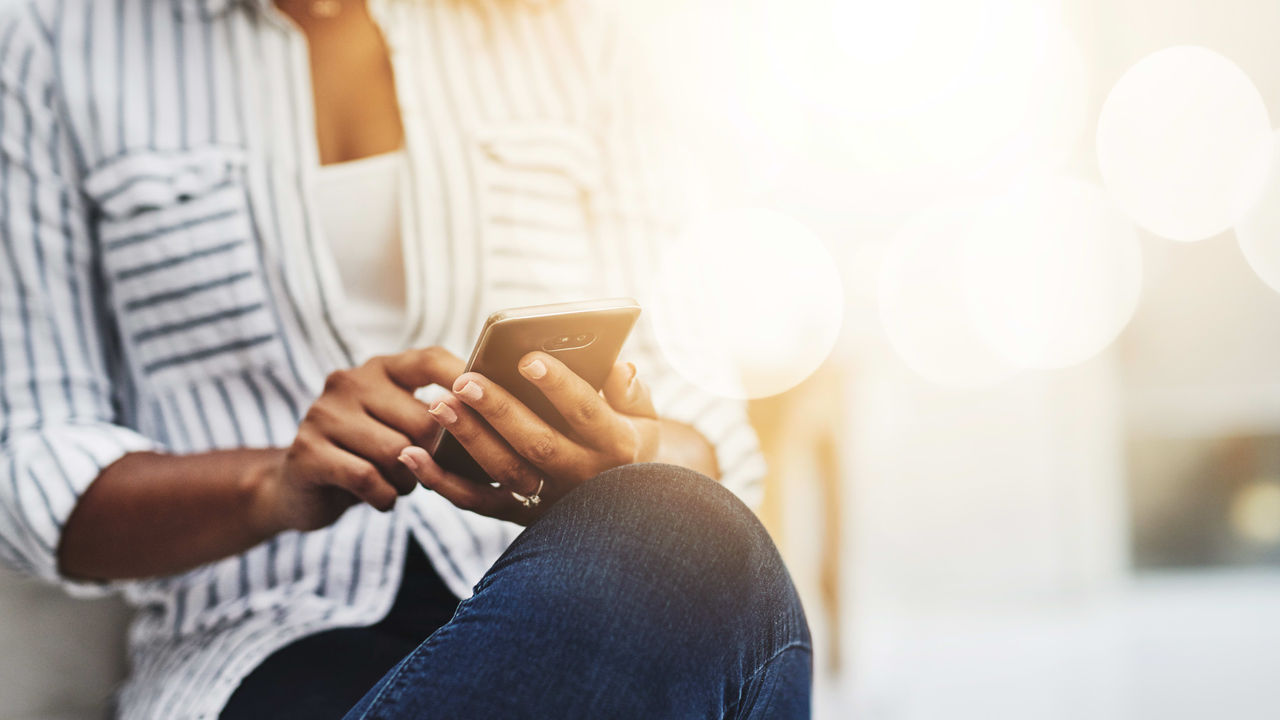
{"type": "Point", "coordinates": [239, 237]}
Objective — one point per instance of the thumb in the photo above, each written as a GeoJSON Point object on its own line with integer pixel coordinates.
{"type": "Point", "coordinates": [625, 393]}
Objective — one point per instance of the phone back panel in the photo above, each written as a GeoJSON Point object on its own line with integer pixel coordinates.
{"type": "Point", "coordinates": [586, 337]}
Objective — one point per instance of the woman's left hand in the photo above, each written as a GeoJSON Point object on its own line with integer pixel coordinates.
{"type": "Point", "coordinates": [528, 457]}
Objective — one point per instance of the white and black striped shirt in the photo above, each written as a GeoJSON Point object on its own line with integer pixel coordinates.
{"type": "Point", "coordinates": [164, 284]}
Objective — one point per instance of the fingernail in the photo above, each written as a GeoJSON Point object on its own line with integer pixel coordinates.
{"type": "Point", "coordinates": [408, 460]}
{"type": "Point", "coordinates": [534, 369]}
{"type": "Point", "coordinates": [444, 413]}
{"type": "Point", "coordinates": [631, 374]}
{"type": "Point", "coordinates": [471, 391]}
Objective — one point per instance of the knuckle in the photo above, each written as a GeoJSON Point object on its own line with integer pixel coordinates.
{"type": "Point", "coordinates": [364, 479]}
{"type": "Point", "coordinates": [587, 410]}
{"type": "Point", "coordinates": [319, 413]}
{"type": "Point", "coordinates": [297, 451]}
{"type": "Point", "coordinates": [338, 381]}
{"type": "Point", "coordinates": [304, 443]}
{"type": "Point", "coordinates": [543, 448]}
{"type": "Point", "coordinates": [498, 409]}
{"type": "Point", "coordinates": [433, 354]}
{"type": "Point", "coordinates": [311, 417]}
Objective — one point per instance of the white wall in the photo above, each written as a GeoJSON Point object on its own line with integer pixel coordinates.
{"type": "Point", "coordinates": [59, 658]}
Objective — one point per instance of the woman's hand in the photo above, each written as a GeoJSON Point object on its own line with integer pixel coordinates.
{"type": "Point", "coordinates": [526, 455]}
{"type": "Point", "coordinates": [347, 444]}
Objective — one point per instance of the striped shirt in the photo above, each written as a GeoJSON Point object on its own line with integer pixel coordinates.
{"type": "Point", "coordinates": [164, 284]}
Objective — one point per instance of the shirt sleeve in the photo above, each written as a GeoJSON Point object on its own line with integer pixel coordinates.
{"type": "Point", "coordinates": [58, 414]}
{"type": "Point", "coordinates": [647, 192]}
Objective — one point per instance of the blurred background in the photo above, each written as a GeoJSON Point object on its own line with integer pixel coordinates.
{"type": "Point", "coordinates": [999, 278]}
{"type": "Point", "coordinates": [1038, 475]}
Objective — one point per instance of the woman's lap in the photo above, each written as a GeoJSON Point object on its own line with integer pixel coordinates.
{"type": "Point", "coordinates": [648, 592]}
{"type": "Point", "coordinates": [320, 676]}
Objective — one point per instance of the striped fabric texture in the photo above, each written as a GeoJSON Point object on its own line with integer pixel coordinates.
{"type": "Point", "coordinates": [164, 284]}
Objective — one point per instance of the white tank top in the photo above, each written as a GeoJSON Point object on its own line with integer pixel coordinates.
{"type": "Point", "coordinates": [358, 204]}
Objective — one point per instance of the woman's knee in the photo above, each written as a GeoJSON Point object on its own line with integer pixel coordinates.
{"type": "Point", "coordinates": [648, 576]}
{"type": "Point", "coordinates": [669, 534]}
{"type": "Point", "coordinates": [655, 512]}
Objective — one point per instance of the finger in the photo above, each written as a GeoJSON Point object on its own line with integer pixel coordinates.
{"type": "Point", "coordinates": [336, 467]}
{"type": "Point", "coordinates": [529, 435]}
{"type": "Point", "coordinates": [588, 415]}
{"type": "Point", "coordinates": [367, 438]}
{"type": "Point", "coordinates": [503, 464]}
{"type": "Point", "coordinates": [417, 368]}
{"type": "Point", "coordinates": [463, 493]}
{"type": "Point", "coordinates": [626, 394]}
{"type": "Point", "coordinates": [401, 411]}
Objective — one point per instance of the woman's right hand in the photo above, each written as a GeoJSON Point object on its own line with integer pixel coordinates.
{"type": "Point", "coordinates": [347, 444]}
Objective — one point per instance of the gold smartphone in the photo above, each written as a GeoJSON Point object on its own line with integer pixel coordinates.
{"type": "Point", "coordinates": [586, 336]}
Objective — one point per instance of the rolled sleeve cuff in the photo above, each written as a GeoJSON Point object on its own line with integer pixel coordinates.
{"type": "Point", "coordinates": [47, 470]}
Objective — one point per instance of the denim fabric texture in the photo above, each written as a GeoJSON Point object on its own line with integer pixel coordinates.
{"type": "Point", "coordinates": [649, 592]}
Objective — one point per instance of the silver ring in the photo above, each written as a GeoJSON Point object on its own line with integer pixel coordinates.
{"type": "Point", "coordinates": [530, 500]}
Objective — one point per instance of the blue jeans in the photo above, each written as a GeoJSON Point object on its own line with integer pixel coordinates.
{"type": "Point", "coordinates": [649, 592]}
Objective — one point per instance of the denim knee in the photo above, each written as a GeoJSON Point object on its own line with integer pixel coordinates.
{"type": "Point", "coordinates": [670, 536]}
{"type": "Point", "coordinates": [648, 592]}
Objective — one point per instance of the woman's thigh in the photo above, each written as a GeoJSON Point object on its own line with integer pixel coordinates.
{"type": "Point", "coordinates": [648, 592]}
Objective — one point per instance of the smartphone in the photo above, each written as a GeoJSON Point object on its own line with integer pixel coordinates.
{"type": "Point", "coordinates": [586, 336]}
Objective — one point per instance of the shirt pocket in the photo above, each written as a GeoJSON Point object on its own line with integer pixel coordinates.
{"type": "Point", "coordinates": [181, 264]}
{"type": "Point", "coordinates": [537, 180]}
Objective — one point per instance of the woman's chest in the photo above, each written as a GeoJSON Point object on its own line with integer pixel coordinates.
{"type": "Point", "coordinates": [203, 153]}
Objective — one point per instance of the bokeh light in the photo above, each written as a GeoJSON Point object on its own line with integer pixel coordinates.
{"type": "Point", "coordinates": [880, 108]}
{"type": "Point", "coordinates": [1183, 142]}
{"type": "Point", "coordinates": [747, 304]}
{"type": "Point", "coordinates": [921, 299]}
{"type": "Point", "coordinates": [977, 102]}
{"type": "Point", "coordinates": [1052, 273]}
{"type": "Point", "coordinates": [1255, 511]}
{"type": "Point", "coordinates": [1259, 231]}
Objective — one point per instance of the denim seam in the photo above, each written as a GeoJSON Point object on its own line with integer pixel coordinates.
{"type": "Point", "coordinates": [396, 681]}
{"type": "Point", "coordinates": [763, 666]}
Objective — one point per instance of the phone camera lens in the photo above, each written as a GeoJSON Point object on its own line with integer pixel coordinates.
{"type": "Point", "coordinates": [583, 338]}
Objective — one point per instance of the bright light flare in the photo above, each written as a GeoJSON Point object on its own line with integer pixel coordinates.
{"type": "Point", "coordinates": [1053, 271]}
{"type": "Point", "coordinates": [1183, 142]}
{"type": "Point", "coordinates": [922, 304]}
{"type": "Point", "coordinates": [748, 304]}
{"type": "Point", "coordinates": [1041, 277]}
{"type": "Point", "coordinates": [950, 96]}
{"type": "Point", "coordinates": [1259, 231]}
